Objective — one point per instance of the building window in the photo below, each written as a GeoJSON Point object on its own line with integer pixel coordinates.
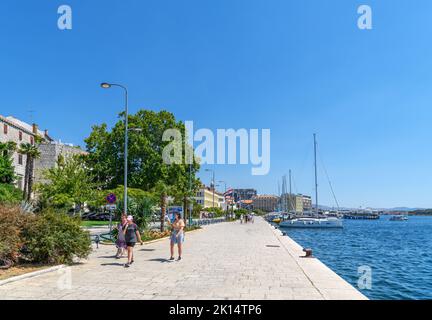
{"type": "Point", "coordinates": [31, 140]}
{"type": "Point", "coordinates": [20, 136]}
{"type": "Point", "coordinates": [5, 129]}
{"type": "Point", "coordinates": [20, 159]}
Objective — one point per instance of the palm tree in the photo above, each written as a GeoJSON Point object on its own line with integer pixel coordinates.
{"type": "Point", "coordinates": [31, 152]}
{"type": "Point", "coordinates": [163, 190]}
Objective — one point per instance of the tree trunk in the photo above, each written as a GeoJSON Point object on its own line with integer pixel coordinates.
{"type": "Point", "coordinates": [30, 179]}
{"type": "Point", "coordinates": [26, 175]}
{"type": "Point", "coordinates": [163, 211]}
{"type": "Point", "coordinates": [185, 208]}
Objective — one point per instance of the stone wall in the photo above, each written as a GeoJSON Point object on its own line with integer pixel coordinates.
{"type": "Point", "coordinates": [50, 153]}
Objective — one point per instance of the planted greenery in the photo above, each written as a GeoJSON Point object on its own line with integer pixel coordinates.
{"type": "Point", "coordinates": [45, 238]}
{"type": "Point", "coordinates": [147, 170]}
{"type": "Point", "coordinates": [9, 194]}
{"type": "Point", "coordinates": [7, 170]}
{"type": "Point", "coordinates": [67, 185]}
{"type": "Point", "coordinates": [57, 238]}
{"type": "Point", "coordinates": [13, 223]}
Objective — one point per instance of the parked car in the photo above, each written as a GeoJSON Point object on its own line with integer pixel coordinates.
{"type": "Point", "coordinates": [96, 216]}
{"type": "Point", "coordinates": [88, 215]}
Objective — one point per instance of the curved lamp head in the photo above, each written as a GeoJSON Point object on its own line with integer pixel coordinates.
{"type": "Point", "coordinates": [105, 85]}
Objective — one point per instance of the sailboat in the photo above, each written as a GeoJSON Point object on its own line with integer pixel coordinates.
{"type": "Point", "coordinates": [314, 221]}
{"type": "Point", "coordinates": [399, 218]}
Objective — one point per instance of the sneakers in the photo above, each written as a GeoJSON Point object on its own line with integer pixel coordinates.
{"type": "Point", "coordinates": [179, 258]}
{"type": "Point", "coordinates": [171, 259]}
{"type": "Point", "coordinates": [127, 265]}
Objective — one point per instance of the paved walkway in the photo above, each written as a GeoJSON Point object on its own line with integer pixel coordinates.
{"type": "Point", "coordinates": [223, 261]}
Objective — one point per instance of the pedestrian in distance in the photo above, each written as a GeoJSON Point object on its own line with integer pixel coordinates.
{"type": "Point", "coordinates": [121, 242]}
{"type": "Point", "coordinates": [177, 235]}
{"type": "Point", "coordinates": [132, 235]}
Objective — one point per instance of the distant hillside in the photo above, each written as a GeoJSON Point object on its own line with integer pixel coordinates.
{"type": "Point", "coordinates": [396, 209]}
{"type": "Point", "coordinates": [405, 209]}
{"type": "Point", "coordinates": [422, 212]}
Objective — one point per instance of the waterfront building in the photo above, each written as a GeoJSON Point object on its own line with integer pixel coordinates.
{"type": "Point", "coordinates": [292, 202]}
{"type": "Point", "coordinates": [267, 203]}
{"type": "Point", "coordinates": [14, 130]}
{"type": "Point", "coordinates": [18, 131]}
{"type": "Point", "coordinates": [307, 202]}
{"type": "Point", "coordinates": [204, 197]}
{"type": "Point", "coordinates": [244, 194]}
{"type": "Point", "coordinates": [245, 204]}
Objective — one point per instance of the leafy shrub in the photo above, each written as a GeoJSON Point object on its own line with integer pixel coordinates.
{"type": "Point", "coordinates": [9, 194]}
{"type": "Point", "coordinates": [12, 224]}
{"type": "Point", "coordinates": [57, 238]}
{"type": "Point", "coordinates": [141, 208]}
{"type": "Point", "coordinates": [240, 212]}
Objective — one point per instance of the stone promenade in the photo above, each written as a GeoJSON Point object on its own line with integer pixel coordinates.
{"type": "Point", "coordinates": [222, 261]}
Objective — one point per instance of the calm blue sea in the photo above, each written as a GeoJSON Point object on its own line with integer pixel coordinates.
{"type": "Point", "coordinates": [398, 253]}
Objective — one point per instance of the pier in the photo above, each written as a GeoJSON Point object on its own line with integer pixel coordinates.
{"type": "Point", "coordinates": [221, 261]}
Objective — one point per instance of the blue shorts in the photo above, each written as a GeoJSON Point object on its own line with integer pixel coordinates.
{"type": "Point", "coordinates": [177, 239]}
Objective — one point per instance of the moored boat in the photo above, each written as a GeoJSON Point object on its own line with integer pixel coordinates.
{"type": "Point", "coordinates": [330, 219]}
{"type": "Point", "coordinates": [312, 223]}
{"type": "Point", "coordinates": [399, 218]}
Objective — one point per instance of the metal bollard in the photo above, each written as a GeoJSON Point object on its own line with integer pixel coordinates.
{"type": "Point", "coordinates": [308, 253]}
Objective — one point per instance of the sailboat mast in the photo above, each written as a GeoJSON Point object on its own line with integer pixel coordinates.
{"type": "Point", "coordinates": [280, 196]}
{"type": "Point", "coordinates": [290, 192]}
{"type": "Point", "coordinates": [316, 176]}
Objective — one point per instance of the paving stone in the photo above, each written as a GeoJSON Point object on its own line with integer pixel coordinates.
{"type": "Point", "coordinates": [224, 261]}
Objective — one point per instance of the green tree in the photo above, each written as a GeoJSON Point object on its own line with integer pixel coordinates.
{"type": "Point", "coordinates": [31, 152]}
{"type": "Point", "coordinates": [69, 183]}
{"type": "Point", "coordinates": [7, 170]}
{"type": "Point", "coordinates": [197, 208]}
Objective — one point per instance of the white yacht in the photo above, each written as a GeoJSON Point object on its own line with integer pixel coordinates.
{"type": "Point", "coordinates": [399, 218]}
{"type": "Point", "coordinates": [315, 221]}
{"type": "Point", "coordinates": [330, 222]}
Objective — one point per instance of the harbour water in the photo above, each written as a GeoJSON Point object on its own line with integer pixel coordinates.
{"type": "Point", "coordinates": [398, 253]}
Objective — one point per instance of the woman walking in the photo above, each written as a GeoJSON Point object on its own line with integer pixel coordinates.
{"type": "Point", "coordinates": [177, 235]}
{"type": "Point", "coordinates": [121, 242]}
{"type": "Point", "coordinates": [131, 234]}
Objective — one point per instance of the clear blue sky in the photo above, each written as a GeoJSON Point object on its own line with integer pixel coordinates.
{"type": "Point", "coordinates": [296, 67]}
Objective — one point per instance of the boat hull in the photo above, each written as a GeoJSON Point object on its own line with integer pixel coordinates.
{"type": "Point", "coordinates": [312, 223]}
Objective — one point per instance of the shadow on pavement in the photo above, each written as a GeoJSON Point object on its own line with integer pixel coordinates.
{"type": "Point", "coordinates": [161, 260]}
{"type": "Point", "coordinates": [147, 250]}
{"type": "Point", "coordinates": [118, 264]}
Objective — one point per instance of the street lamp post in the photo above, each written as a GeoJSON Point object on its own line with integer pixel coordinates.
{"type": "Point", "coordinates": [226, 205]}
{"type": "Point", "coordinates": [190, 196]}
{"type": "Point", "coordinates": [213, 182]}
{"type": "Point", "coordinates": [107, 86]}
